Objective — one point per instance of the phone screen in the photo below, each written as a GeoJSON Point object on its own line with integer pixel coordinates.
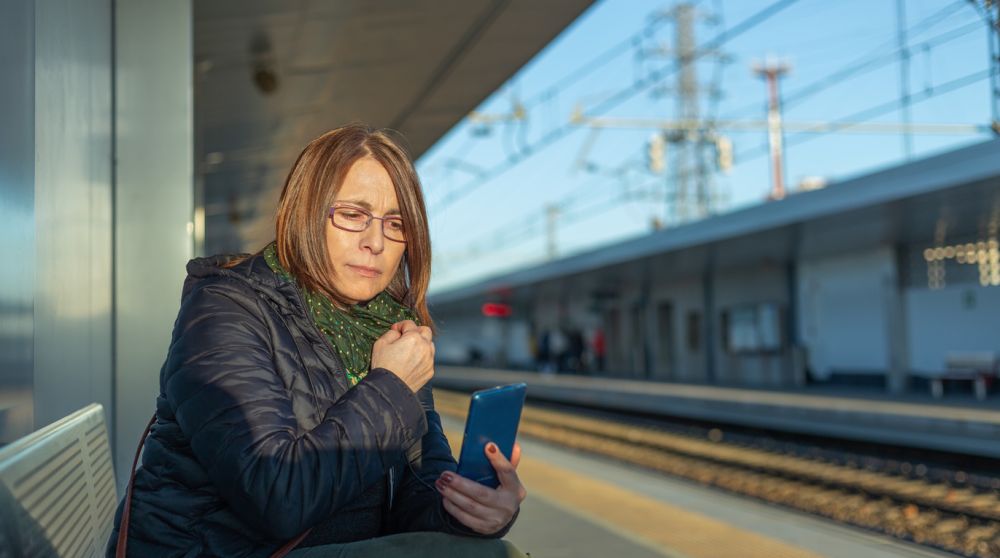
{"type": "Point", "coordinates": [493, 417]}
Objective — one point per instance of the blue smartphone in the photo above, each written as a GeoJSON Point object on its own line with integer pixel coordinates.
{"type": "Point", "coordinates": [493, 417]}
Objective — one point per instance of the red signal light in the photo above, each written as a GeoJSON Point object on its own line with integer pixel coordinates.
{"type": "Point", "coordinates": [496, 310]}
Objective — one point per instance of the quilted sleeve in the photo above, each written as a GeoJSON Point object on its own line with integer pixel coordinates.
{"type": "Point", "coordinates": [230, 403]}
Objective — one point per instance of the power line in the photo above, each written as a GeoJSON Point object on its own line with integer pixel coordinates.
{"type": "Point", "coordinates": [854, 70]}
{"type": "Point", "coordinates": [598, 61]}
{"type": "Point", "coordinates": [869, 113]}
{"type": "Point", "coordinates": [572, 213]}
{"type": "Point", "coordinates": [621, 96]}
{"type": "Point", "coordinates": [583, 70]}
{"type": "Point", "coordinates": [823, 127]}
{"type": "Point", "coordinates": [579, 214]}
{"type": "Point", "coordinates": [598, 205]}
{"type": "Point", "coordinates": [524, 228]}
{"type": "Point", "coordinates": [869, 62]}
{"type": "Point", "coordinates": [992, 20]}
{"type": "Point", "coordinates": [515, 235]}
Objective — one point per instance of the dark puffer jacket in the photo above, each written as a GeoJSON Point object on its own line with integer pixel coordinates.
{"type": "Point", "coordinates": [257, 436]}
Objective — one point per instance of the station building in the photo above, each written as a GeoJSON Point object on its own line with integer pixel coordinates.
{"type": "Point", "coordinates": [886, 278]}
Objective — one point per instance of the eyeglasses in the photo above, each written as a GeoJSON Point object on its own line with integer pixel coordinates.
{"type": "Point", "coordinates": [356, 219]}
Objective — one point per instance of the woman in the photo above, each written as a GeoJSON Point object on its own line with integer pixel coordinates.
{"type": "Point", "coordinates": [294, 396]}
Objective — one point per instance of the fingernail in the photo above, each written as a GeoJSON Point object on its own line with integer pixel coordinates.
{"type": "Point", "coordinates": [492, 448]}
{"type": "Point", "coordinates": [446, 478]}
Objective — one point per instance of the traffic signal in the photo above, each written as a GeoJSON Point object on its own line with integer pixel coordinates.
{"type": "Point", "coordinates": [724, 153]}
{"type": "Point", "coordinates": [656, 153]}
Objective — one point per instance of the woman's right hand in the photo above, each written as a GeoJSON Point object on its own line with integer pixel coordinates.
{"type": "Point", "coordinates": [406, 350]}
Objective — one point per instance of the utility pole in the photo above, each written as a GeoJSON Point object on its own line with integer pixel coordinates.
{"type": "Point", "coordinates": [992, 9]}
{"type": "Point", "coordinates": [687, 106]}
{"type": "Point", "coordinates": [904, 76]}
{"type": "Point", "coordinates": [551, 213]}
{"type": "Point", "coordinates": [691, 149]}
{"type": "Point", "coordinates": [771, 71]}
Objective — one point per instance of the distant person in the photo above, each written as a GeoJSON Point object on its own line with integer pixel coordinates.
{"type": "Point", "coordinates": [576, 349]}
{"type": "Point", "coordinates": [294, 403]}
{"type": "Point", "coordinates": [558, 345]}
{"type": "Point", "coordinates": [475, 357]}
{"type": "Point", "coordinates": [599, 348]}
{"type": "Point", "coordinates": [544, 352]}
{"type": "Point", "coordinates": [532, 341]}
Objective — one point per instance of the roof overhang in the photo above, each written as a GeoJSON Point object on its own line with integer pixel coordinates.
{"type": "Point", "coordinates": [271, 75]}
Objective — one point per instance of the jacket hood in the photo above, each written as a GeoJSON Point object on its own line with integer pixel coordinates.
{"type": "Point", "coordinates": [252, 271]}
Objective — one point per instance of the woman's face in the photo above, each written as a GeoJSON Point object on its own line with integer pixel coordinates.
{"type": "Point", "coordinates": [364, 262]}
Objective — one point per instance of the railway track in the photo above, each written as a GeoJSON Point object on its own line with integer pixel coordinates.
{"type": "Point", "coordinates": [964, 520]}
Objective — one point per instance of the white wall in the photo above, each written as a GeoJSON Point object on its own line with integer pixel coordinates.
{"type": "Point", "coordinates": [103, 235]}
{"type": "Point", "coordinates": [685, 296]}
{"type": "Point", "coordinates": [502, 341]}
{"type": "Point", "coordinates": [73, 207]}
{"type": "Point", "coordinates": [625, 345]}
{"type": "Point", "coordinates": [17, 218]}
{"type": "Point", "coordinates": [933, 317]}
{"type": "Point", "coordinates": [844, 313]}
{"type": "Point", "coordinates": [154, 201]}
{"type": "Point", "coordinates": [751, 285]}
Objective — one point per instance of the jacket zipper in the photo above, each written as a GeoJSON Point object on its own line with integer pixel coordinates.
{"type": "Point", "coordinates": [323, 339]}
{"type": "Point", "coordinates": [329, 346]}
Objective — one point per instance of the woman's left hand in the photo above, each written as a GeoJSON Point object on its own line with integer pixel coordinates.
{"type": "Point", "coordinates": [481, 508]}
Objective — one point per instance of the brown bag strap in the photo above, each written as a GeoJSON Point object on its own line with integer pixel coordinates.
{"type": "Point", "coordinates": [121, 547]}
{"type": "Point", "coordinates": [290, 545]}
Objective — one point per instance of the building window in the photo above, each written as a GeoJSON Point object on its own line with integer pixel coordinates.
{"type": "Point", "coordinates": [752, 328]}
{"type": "Point", "coordinates": [694, 331]}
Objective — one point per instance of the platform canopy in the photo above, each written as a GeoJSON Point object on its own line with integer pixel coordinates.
{"type": "Point", "coordinates": [273, 74]}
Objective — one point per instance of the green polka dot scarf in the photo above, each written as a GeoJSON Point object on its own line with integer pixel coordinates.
{"type": "Point", "coordinates": [352, 333]}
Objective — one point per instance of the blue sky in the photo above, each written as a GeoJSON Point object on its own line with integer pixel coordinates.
{"type": "Point", "coordinates": [482, 227]}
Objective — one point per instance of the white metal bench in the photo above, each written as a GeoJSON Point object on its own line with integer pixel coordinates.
{"type": "Point", "coordinates": [57, 489]}
{"type": "Point", "coordinates": [978, 367]}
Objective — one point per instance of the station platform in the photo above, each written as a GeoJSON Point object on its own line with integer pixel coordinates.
{"type": "Point", "coordinates": [942, 425]}
{"type": "Point", "coordinates": [581, 506]}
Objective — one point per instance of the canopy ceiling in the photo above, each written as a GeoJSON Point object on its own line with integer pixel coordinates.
{"type": "Point", "coordinates": [273, 74]}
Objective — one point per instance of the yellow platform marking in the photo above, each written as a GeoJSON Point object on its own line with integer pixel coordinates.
{"type": "Point", "coordinates": [670, 529]}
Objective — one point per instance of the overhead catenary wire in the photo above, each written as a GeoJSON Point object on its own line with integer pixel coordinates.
{"type": "Point", "coordinates": [569, 217]}
{"type": "Point", "coordinates": [875, 59]}
{"type": "Point", "coordinates": [598, 205]}
{"type": "Point", "coordinates": [578, 207]}
{"type": "Point", "coordinates": [593, 64]}
{"type": "Point", "coordinates": [586, 68]}
{"type": "Point", "coordinates": [851, 69]}
{"type": "Point", "coordinates": [621, 96]}
{"type": "Point", "coordinates": [573, 213]}
{"type": "Point", "coordinates": [869, 113]}
{"type": "Point", "coordinates": [524, 228]}
{"type": "Point", "coordinates": [992, 21]}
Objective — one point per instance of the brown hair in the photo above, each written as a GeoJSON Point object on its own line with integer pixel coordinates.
{"type": "Point", "coordinates": [309, 192]}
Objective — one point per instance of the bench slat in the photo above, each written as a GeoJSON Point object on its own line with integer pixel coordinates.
{"type": "Point", "coordinates": [57, 489]}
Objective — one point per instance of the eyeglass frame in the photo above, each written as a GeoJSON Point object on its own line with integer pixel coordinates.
{"type": "Point", "coordinates": [368, 222]}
